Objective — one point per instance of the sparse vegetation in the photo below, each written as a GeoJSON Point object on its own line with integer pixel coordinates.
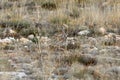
{"type": "Point", "coordinates": [50, 5]}
{"type": "Point", "coordinates": [59, 39]}
{"type": "Point", "coordinates": [59, 19]}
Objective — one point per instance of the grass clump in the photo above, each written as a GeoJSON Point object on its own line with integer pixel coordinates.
{"type": "Point", "coordinates": [30, 6]}
{"type": "Point", "coordinates": [86, 60]}
{"type": "Point", "coordinates": [6, 5]}
{"type": "Point", "coordinates": [5, 65]}
{"type": "Point", "coordinates": [16, 24]}
{"type": "Point", "coordinates": [59, 19]}
{"type": "Point", "coordinates": [75, 13]}
{"type": "Point", "coordinates": [28, 31]}
{"type": "Point", "coordinates": [50, 5]}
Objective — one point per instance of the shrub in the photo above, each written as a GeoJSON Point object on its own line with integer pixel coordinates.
{"type": "Point", "coordinates": [75, 13]}
{"type": "Point", "coordinates": [50, 5]}
{"type": "Point", "coordinates": [28, 31]}
{"type": "Point", "coordinates": [17, 25]}
{"type": "Point", "coordinates": [59, 19]}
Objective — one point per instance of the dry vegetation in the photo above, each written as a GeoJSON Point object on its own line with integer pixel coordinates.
{"type": "Point", "coordinates": [60, 39]}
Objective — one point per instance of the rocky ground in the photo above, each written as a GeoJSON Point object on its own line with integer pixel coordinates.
{"type": "Point", "coordinates": [38, 44]}
{"type": "Point", "coordinates": [72, 58]}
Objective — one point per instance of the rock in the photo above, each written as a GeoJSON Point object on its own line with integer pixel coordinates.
{"type": "Point", "coordinates": [7, 40]}
{"type": "Point", "coordinates": [94, 51]}
{"type": "Point", "coordinates": [31, 36]}
{"type": "Point", "coordinates": [15, 74]}
{"type": "Point", "coordinates": [25, 40]}
{"type": "Point", "coordinates": [84, 33]}
{"type": "Point", "coordinates": [35, 40]}
{"type": "Point", "coordinates": [102, 31]}
{"type": "Point", "coordinates": [115, 69]}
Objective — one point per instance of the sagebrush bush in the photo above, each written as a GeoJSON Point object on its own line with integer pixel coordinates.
{"type": "Point", "coordinates": [28, 31]}
{"type": "Point", "coordinates": [75, 13]}
{"type": "Point", "coordinates": [59, 19]}
{"type": "Point", "coordinates": [50, 5]}
{"type": "Point", "coordinates": [17, 25]}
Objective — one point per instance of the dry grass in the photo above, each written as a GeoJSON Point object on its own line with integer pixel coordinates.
{"type": "Point", "coordinates": [52, 15]}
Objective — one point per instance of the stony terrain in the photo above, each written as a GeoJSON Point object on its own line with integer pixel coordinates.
{"type": "Point", "coordinates": [60, 40]}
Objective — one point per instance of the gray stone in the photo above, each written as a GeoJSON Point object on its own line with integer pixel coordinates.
{"type": "Point", "coordinates": [115, 69]}
{"type": "Point", "coordinates": [94, 51]}
{"type": "Point", "coordinates": [17, 74]}
{"type": "Point", "coordinates": [84, 33]}
{"type": "Point", "coordinates": [31, 36]}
